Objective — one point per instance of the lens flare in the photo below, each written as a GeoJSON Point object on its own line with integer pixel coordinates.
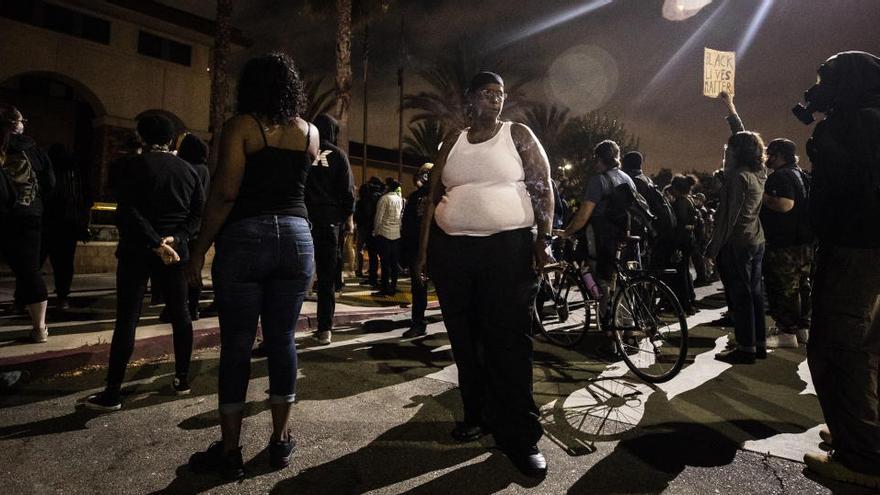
{"type": "Point", "coordinates": [551, 22]}
{"type": "Point", "coordinates": [688, 46]}
{"type": "Point", "coordinates": [583, 78]}
{"type": "Point", "coordinates": [754, 25]}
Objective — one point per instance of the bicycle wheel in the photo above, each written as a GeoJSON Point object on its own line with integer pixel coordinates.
{"type": "Point", "coordinates": [650, 329]}
{"type": "Point", "coordinates": [563, 311]}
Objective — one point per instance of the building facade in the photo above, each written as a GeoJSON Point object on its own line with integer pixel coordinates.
{"type": "Point", "coordinates": [83, 71]}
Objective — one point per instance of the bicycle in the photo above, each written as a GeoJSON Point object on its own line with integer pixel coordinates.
{"type": "Point", "coordinates": [646, 321]}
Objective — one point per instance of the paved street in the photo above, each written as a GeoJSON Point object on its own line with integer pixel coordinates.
{"type": "Point", "coordinates": [374, 410]}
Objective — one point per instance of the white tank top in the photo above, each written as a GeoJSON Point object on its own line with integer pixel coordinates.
{"type": "Point", "coordinates": [485, 192]}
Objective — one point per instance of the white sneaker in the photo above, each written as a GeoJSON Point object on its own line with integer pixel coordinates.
{"type": "Point", "coordinates": [40, 335]}
{"type": "Point", "coordinates": [803, 335]}
{"type": "Point", "coordinates": [781, 341]}
{"type": "Point", "coordinates": [323, 337]}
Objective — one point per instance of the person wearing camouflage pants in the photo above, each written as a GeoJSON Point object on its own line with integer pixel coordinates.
{"type": "Point", "coordinates": [787, 282]}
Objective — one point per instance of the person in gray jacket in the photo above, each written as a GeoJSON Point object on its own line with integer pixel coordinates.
{"type": "Point", "coordinates": [737, 244]}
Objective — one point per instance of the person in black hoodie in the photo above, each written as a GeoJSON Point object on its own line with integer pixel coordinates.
{"type": "Point", "coordinates": [195, 152]}
{"type": "Point", "coordinates": [160, 206]}
{"type": "Point", "coordinates": [65, 221]}
{"type": "Point", "coordinates": [413, 211]}
{"type": "Point", "coordinates": [330, 203]}
{"type": "Point", "coordinates": [29, 177]}
{"type": "Point", "coordinates": [364, 216]}
{"type": "Point", "coordinates": [844, 343]}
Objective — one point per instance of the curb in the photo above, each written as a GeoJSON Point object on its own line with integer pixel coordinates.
{"type": "Point", "coordinates": [54, 362]}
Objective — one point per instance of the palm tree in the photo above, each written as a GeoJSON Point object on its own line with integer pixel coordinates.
{"type": "Point", "coordinates": [449, 78]}
{"type": "Point", "coordinates": [424, 139]}
{"type": "Point", "coordinates": [219, 82]}
{"type": "Point", "coordinates": [581, 134]}
{"type": "Point", "coordinates": [547, 122]}
{"type": "Point", "coordinates": [343, 70]}
{"type": "Point", "coordinates": [319, 100]}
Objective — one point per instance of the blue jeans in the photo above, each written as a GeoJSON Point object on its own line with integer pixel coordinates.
{"type": "Point", "coordinates": [740, 269]}
{"type": "Point", "coordinates": [261, 273]}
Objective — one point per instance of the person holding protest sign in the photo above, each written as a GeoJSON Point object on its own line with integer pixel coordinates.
{"type": "Point", "coordinates": [738, 240]}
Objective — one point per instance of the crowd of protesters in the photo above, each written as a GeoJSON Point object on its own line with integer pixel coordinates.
{"type": "Point", "coordinates": [282, 201]}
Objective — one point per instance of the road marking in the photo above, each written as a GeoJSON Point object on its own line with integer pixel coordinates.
{"type": "Point", "coordinates": [790, 446]}
{"type": "Point", "coordinates": [803, 371]}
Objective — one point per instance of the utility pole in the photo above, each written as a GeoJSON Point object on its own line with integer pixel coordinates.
{"type": "Point", "coordinates": [366, 66]}
{"type": "Point", "coordinates": [400, 69]}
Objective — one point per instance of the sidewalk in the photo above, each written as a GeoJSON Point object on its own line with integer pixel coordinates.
{"type": "Point", "coordinates": [81, 336]}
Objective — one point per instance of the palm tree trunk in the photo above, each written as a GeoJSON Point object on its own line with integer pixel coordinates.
{"type": "Point", "coordinates": [219, 83]}
{"type": "Point", "coordinates": [343, 70]}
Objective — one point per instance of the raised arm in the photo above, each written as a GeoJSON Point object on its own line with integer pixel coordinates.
{"type": "Point", "coordinates": [733, 119]}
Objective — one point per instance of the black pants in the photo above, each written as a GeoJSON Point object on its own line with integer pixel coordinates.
{"type": "Point", "coordinates": [132, 272]}
{"type": "Point", "coordinates": [486, 286]}
{"type": "Point", "coordinates": [59, 246]}
{"type": "Point", "coordinates": [684, 282]}
{"type": "Point", "coordinates": [389, 254]}
{"type": "Point", "coordinates": [844, 352]}
{"type": "Point", "coordinates": [373, 255]}
{"type": "Point", "coordinates": [419, 293]}
{"type": "Point", "coordinates": [20, 238]}
{"type": "Point", "coordinates": [325, 236]}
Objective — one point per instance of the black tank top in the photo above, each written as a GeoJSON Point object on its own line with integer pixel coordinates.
{"type": "Point", "coordinates": [274, 181]}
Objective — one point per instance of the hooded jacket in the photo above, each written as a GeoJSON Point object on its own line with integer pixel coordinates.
{"type": "Point", "coordinates": [845, 152]}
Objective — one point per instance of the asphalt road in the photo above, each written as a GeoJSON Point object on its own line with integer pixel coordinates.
{"type": "Point", "coordinates": [373, 414]}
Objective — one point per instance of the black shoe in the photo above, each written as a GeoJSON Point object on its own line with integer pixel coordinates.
{"type": "Point", "coordinates": [761, 353]}
{"type": "Point", "coordinates": [529, 461]}
{"type": "Point", "coordinates": [194, 313]}
{"type": "Point", "coordinates": [736, 356]}
{"type": "Point", "coordinates": [214, 460]}
{"type": "Point", "coordinates": [104, 402]}
{"type": "Point", "coordinates": [181, 385]}
{"type": "Point", "coordinates": [464, 432]}
{"type": "Point", "coordinates": [163, 316]}
{"type": "Point", "coordinates": [416, 330]}
{"type": "Point", "coordinates": [281, 451]}
{"type": "Point", "coordinates": [380, 293]}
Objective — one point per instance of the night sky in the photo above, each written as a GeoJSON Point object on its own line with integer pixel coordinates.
{"type": "Point", "coordinates": [621, 57]}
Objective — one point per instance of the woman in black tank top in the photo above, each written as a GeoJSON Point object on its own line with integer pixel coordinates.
{"type": "Point", "coordinates": [265, 257]}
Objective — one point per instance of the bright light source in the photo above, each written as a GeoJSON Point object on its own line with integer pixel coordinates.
{"type": "Point", "coordinates": [679, 10]}
{"type": "Point", "coordinates": [567, 166]}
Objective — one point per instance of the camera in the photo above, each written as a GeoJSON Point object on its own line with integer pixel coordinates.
{"type": "Point", "coordinates": [804, 113]}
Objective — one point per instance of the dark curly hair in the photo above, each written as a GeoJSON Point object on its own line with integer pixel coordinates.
{"type": "Point", "coordinates": [747, 149]}
{"type": "Point", "coordinates": [270, 86]}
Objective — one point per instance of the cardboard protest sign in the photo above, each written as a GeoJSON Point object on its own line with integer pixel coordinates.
{"type": "Point", "coordinates": [719, 70]}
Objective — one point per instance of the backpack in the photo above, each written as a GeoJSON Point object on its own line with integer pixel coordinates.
{"type": "Point", "coordinates": [17, 166]}
{"type": "Point", "coordinates": [665, 220]}
{"type": "Point", "coordinates": [629, 212]}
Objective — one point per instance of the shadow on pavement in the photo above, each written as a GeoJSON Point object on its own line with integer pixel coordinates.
{"type": "Point", "coordinates": [420, 446]}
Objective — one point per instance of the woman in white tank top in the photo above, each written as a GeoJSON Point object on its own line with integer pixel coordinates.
{"type": "Point", "coordinates": [490, 194]}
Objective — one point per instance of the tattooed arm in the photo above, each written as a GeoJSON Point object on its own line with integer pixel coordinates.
{"type": "Point", "coordinates": [536, 167]}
